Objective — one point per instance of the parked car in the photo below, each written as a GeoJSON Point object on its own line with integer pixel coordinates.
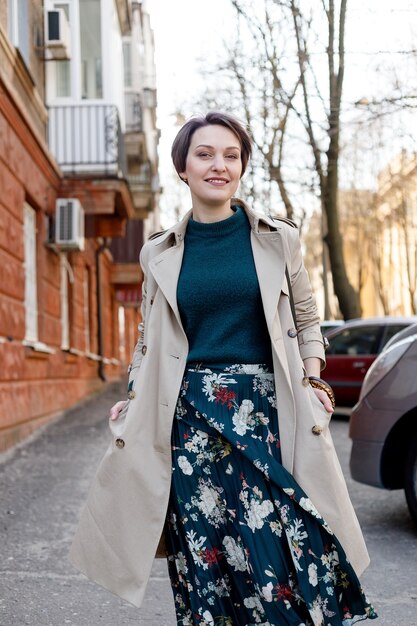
{"type": "Point", "coordinates": [383, 424]}
{"type": "Point", "coordinates": [402, 334]}
{"type": "Point", "coordinates": [353, 348]}
{"type": "Point", "coordinates": [328, 325]}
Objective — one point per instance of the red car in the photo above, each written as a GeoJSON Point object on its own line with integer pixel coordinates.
{"type": "Point", "coordinates": [353, 348]}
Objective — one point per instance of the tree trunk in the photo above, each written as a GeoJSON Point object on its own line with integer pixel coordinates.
{"type": "Point", "coordinates": [347, 296]}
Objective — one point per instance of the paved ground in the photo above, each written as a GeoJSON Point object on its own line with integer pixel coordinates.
{"type": "Point", "coordinates": [43, 485]}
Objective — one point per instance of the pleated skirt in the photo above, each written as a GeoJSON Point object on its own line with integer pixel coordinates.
{"type": "Point", "coordinates": [245, 544]}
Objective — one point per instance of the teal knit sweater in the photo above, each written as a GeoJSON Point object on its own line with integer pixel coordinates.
{"type": "Point", "coordinates": [218, 294]}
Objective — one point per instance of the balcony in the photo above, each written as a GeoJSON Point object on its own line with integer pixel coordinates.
{"type": "Point", "coordinates": [86, 139]}
{"type": "Point", "coordinates": [133, 112]}
{"type": "Point", "coordinates": [87, 142]}
{"type": "Point", "coordinates": [144, 185]}
{"type": "Point", "coordinates": [135, 140]}
{"type": "Point", "coordinates": [125, 273]}
{"type": "Point", "coordinates": [149, 98]}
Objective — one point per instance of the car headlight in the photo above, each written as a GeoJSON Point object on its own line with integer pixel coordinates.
{"type": "Point", "coordinates": [384, 363]}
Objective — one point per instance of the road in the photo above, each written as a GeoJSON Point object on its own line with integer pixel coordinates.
{"type": "Point", "coordinates": [43, 484]}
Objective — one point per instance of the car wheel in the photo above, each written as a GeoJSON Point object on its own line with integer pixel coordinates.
{"type": "Point", "coordinates": [411, 479]}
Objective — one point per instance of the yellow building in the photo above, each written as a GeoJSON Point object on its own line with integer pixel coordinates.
{"type": "Point", "coordinates": [379, 231]}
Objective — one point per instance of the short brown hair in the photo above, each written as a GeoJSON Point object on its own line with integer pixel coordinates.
{"type": "Point", "coordinates": [182, 141]}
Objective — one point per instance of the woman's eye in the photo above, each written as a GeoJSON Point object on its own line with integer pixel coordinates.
{"type": "Point", "coordinates": [232, 156]}
{"type": "Point", "coordinates": [203, 154]}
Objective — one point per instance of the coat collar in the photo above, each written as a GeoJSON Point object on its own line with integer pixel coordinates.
{"type": "Point", "coordinates": [259, 222]}
{"type": "Point", "coordinates": [268, 252]}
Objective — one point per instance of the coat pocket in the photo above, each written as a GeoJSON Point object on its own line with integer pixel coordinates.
{"type": "Point", "coordinates": [117, 426]}
{"type": "Point", "coordinates": [321, 417]}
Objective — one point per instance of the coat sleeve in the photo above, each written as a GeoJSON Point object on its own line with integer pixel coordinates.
{"type": "Point", "coordinates": [310, 339]}
{"type": "Point", "coordinates": [137, 352]}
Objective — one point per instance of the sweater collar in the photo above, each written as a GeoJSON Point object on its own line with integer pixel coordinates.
{"type": "Point", "coordinates": [219, 228]}
{"type": "Point", "coordinates": [259, 222]}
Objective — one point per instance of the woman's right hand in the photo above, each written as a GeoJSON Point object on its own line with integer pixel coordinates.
{"type": "Point", "coordinates": [116, 408]}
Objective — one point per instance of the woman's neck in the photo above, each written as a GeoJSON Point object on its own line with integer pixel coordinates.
{"type": "Point", "coordinates": [210, 214]}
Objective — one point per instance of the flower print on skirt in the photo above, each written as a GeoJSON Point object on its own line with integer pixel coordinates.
{"type": "Point", "coordinates": [245, 544]}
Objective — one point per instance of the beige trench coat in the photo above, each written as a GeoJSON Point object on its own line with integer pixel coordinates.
{"type": "Point", "coordinates": [123, 518]}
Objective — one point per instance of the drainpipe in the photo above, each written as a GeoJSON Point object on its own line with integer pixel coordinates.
{"type": "Point", "coordinates": [104, 243]}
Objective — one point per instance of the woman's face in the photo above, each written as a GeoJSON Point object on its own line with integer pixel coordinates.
{"type": "Point", "coordinates": [213, 166]}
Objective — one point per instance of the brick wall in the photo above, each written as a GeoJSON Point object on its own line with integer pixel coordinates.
{"type": "Point", "coordinates": [35, 386]}
{"type": "Point", "coordinates": [38, 382]}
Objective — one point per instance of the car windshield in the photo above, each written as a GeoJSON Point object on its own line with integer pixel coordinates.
{"type": "Point", "coordinates": [402, 334]}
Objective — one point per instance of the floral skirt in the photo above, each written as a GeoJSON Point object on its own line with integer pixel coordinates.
{"type": "Point", "coordinates": [245, 544]}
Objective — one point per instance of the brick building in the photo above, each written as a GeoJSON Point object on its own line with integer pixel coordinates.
{"type": "Point", "coordinates": [78, 189]}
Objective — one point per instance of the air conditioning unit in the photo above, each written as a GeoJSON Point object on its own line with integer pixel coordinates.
{"type": "Point", "coordinates": [69, 224]}
{"type": "Point", "coordinates": [57, 34]}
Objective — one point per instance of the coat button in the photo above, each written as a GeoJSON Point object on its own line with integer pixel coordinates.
{"type": "Point", "coordinates": [120, 443]}
{"type": "Point", "coordinates": [131, 394]}
{"type": "Point", "coordinates": [317, 430]}
{"type": "Point", "coordinates": [144, 348]}
{"type": "Point", "coordinates": [292, 333]}
{"type": "Point", "coordinates": [306, 381]}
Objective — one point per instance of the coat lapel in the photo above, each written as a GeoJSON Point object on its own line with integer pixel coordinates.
{"type": "Point", "coordinates": [269, 257]}
{"type": "Point", "coordinates": [166, 269]}
{"type": "Point", "coordinates": [166, 266]}
{"type": "Point", "coordinates": [269, 260]}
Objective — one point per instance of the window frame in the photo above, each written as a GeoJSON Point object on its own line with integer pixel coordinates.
{"type": "Point", "coordinates": [31, 273]}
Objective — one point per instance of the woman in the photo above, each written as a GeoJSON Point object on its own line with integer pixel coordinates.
{"type": "Point", "coordinates": [225, 434]}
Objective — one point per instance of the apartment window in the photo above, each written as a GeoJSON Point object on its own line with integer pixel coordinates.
{"type": "Point", "coordinates": [18, 26]}
{"type": "Point", "coordinates": [31, 296]}
{"type": "Point", "coordinates": [67, 300]}
{"type": "Point", "coordinates": [90, 35]}
{"type": "Point", "coordinates": [122, 333]}
{"type": "Point", "coordinates": [65, 336]}
{"type": "Point", "coordinates": [63, 68]}
{"type": "Point", "coordinates": [87, 318]}
{"type": "Point", "coordinates": [127, 63]}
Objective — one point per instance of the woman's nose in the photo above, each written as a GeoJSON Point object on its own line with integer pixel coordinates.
{"type": "Point", "coordinates": [218, 164]}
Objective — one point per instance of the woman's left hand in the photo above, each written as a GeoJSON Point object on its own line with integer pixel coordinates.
{"type": "Point", "coordinates": [324, 399]}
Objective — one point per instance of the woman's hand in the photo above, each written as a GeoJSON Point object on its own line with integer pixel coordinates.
{"type": "Point", "coordinates": [116, 408]}
{"type": "Point", "coordinates": [323, 397]}
{"type": "Point", "coordinates": [312, 367]}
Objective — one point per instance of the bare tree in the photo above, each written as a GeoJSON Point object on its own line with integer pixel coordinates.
{"type": "Point", "coordinates": [282, 98]}
{"type": "Point", "coordinates": [284, 73]}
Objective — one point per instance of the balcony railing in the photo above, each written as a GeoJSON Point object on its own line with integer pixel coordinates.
{"type": "Point", "coordinates": [87, 139]}
{"type": "Point", "coordinates": [146, 183]}
{"type": "Point", "coordinates": [144, 179]}
{"type": "Point", "coordinates": [133, 111]}
{"type": "Point", "coordinates": [149, 98]}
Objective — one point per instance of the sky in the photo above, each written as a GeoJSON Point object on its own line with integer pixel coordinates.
{"type": "Point", "coordinates": [188, 41]}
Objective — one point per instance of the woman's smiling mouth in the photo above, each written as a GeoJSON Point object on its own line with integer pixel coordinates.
{"type": "Point", "coordinates": [217, 181]}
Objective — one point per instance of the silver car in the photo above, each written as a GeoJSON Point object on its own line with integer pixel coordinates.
{"type": "Point", "coordinates": [383, 424]}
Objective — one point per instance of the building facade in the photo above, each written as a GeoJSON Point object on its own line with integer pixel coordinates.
{"type": "Point", "coordinates": [395, 253]}
{"type": "Point", "coordinates": [78, 188]}
{"type": "Point", "coordinates": [379, 243]}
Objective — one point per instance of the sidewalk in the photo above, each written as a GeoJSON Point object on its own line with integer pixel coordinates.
{"type": "Point", "coordinates": [43, 485]}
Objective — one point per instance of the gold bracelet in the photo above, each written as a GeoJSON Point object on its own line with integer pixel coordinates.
{"type": "Point", "coordinates": [319, 383]}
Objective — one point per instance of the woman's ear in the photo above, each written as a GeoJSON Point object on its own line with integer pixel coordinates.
{"type": "Point", "coordinates": [183, 177]}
